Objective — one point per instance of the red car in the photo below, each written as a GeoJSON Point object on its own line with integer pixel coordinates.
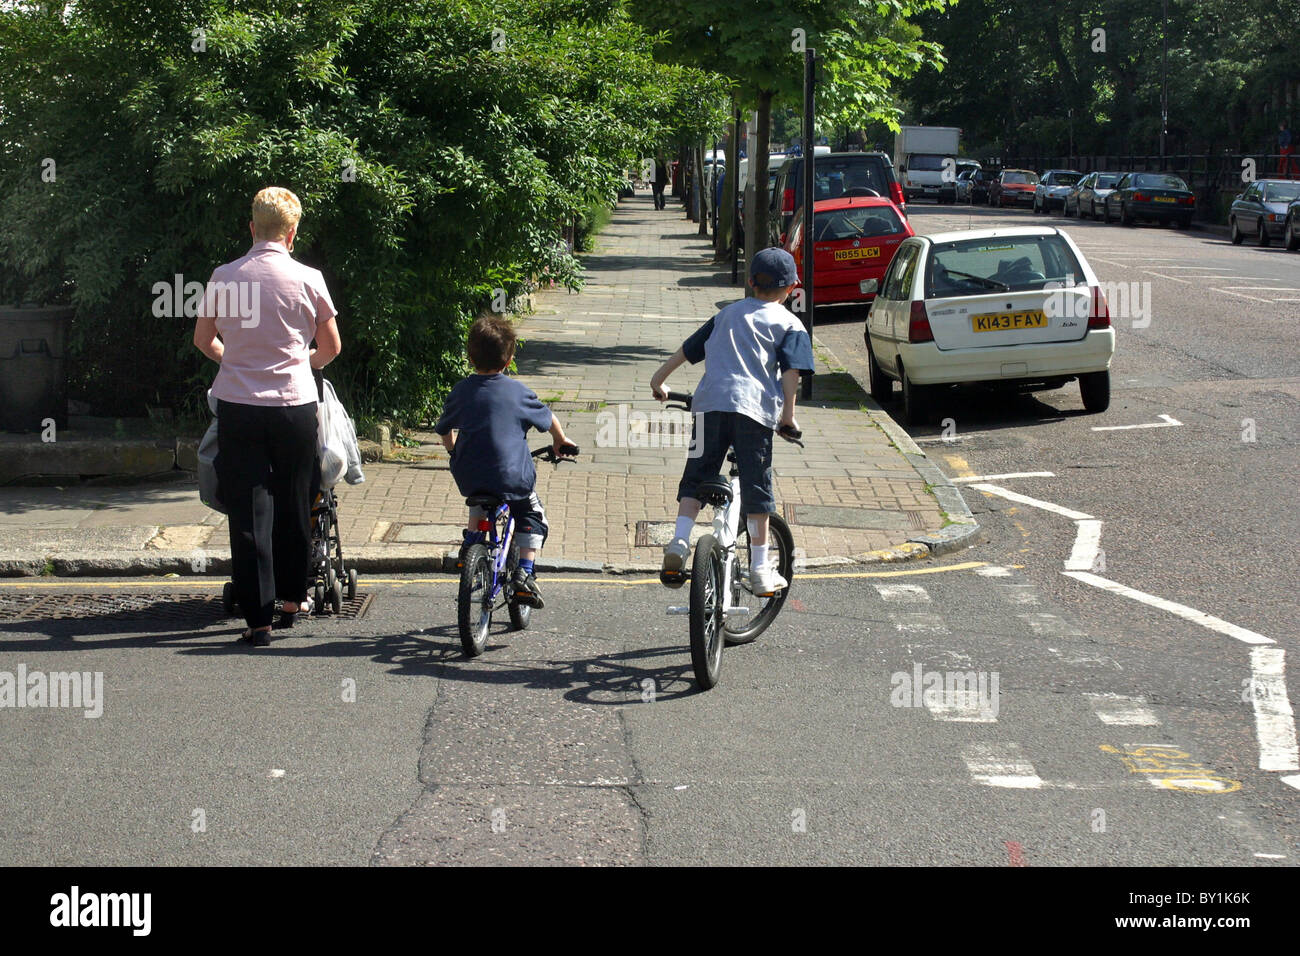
{"type": "Point", "coordinates": [854, 239]}
{"type": "Point", "coordinates": [1014, 187]}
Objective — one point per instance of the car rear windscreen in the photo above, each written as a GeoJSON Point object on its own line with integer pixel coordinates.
{"type": "Point", "coordinates": [1012, 264]}
{"type": "Point", "coordinates": [1158, 181]}
{"type": "Point", "coordinates": [1281, 192]}
{"type": "Point", "coordinates": [1065, 179]}
{"type": "Point", "coordinates": [1106, 182]}
{"type": "Point", "coordinates": [1029, 179]}
{"type": "Point", "coordinates": [860, 222]}
{"type": "Point", "coordinates": [834, 178]}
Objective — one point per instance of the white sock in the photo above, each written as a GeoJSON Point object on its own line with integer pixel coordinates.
{"type": "Point", "coordinates": [683, 529]}
{"type": "Point", "coordinates": [758, 555]}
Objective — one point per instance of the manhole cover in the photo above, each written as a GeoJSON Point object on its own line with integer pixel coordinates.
{"type": "Point", "coordinates": [860, 519]}
{"type": "Point", "coordinates": [656, 534]}
{"type": "Point", "coordinates": [574, 406]}
{"type": "Point", "coordinates": [193, 609]}
{"type": "Point", "coordinates": [401, 533]}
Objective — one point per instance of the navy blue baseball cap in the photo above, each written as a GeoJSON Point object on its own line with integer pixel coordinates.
{"type": "Point", "coordinates": [773, 268]}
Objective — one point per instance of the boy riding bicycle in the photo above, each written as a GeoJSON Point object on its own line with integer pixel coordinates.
{"type": "Point", "coordinates": [484, 425]}
{"type": "Point", "coordinates": [753, 351]}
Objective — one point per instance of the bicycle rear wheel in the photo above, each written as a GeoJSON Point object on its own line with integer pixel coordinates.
{"type": "Point", "coordinates": [520, 614]}
{"type": "Point", "coordinates": [474, 600]}
{"type": "Point", "coordinates": [762, 610]}
{"type": "Point", "coordinates": [706, 612]}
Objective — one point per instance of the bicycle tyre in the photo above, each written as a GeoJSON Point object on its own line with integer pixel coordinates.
{"type": "Point", "coordinates": [707, 637]}
{"type": "Point", "coordinates": [779, 537]}
{"type": "Point", "coordinates": [520, 614]}
{"type": "Point", "coordinates": [474, 600]}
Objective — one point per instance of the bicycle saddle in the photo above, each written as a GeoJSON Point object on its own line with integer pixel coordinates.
{"type": "Point", "coordinates": [714, 491]}
{"type": "Point", "coordinates": [486, 502]}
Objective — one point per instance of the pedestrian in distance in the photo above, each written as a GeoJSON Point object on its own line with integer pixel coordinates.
{"type": "Point", "coordinates": [1286, 166]}
{"type": "Point", "coordinates": [259, 316]}
{"type": "Point", "coordinates": [484, 426]}
{"type": "Point", "coordinates": [660, 181]}
{"type": "Point", "coordinates": [753, 351]}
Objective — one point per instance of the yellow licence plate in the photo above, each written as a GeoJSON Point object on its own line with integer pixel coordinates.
{"type": "Point", "coordinates": [1164, 199]}
{"type": "Point", "coordinates": [991, 321]}
{"type": "Point", "coordinates": [866, 252]}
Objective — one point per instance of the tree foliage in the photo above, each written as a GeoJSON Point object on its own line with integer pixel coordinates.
{"type": "Point", "coordinates": [438, 147]}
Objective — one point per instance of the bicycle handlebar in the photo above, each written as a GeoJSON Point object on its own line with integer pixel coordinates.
{"type": "Point", "coordinates": [788, 432]}
{"type": "Point", "coordinates": [547, 453]}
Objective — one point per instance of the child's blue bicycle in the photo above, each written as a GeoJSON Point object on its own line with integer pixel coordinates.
{"type": "Point", "coordinates": [489, 565]}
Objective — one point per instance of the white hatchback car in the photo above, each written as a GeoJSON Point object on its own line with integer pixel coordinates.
{"type": "Point", "coordinates": [1019, 308]}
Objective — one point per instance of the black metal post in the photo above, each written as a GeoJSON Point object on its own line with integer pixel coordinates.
{"type": "Point", "coordinates": [734, 176]}
{"type": "Point", "coordinates": [809, 191]}
{"type": "Point", "coordinates": [713, 186]}
{"type": "Point", "coordinates": [1164, 81]}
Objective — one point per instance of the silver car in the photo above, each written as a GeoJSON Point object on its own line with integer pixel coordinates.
{"type": "Point", "coordinates": [1087, 197]}
{"type": "Point", "coordinates": [1260, 211]}
{"type": "Point", "coordinates": [1053, 188]}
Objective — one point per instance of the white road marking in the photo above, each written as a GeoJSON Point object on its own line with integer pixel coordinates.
{"type": "Point", "coordinates": [1086, 545]}
{"type": "Point", "coordinates": [994, 571]}
{"type": "Point", "coordinates": [1210, 268]}
{"type": "Point", "coordinates": [909, 593]}
{"type": "Point", "coordinates": [1292, 781]}
{"type": "Point", "coordinates": [969, 712]}
{"type": "Point", "coordinates": [1034, 502]}
{"type": "Point", "coordinates": [1019, 593]}
{"type": "Point", "coordinates": [1274, 718]}
{"type": "Point", "coordinates": [1084, 659]}
{"type": "Point", "coordinates": [1120, 711]}
{"type": "Point", "coordinates": [1241, 295]}
{"type": "Point", "coordinates": [1271, 856]}
{"type": "Point", "coordinates": [1259, 288]}
{"type": "Point", "coordinates": [1181, 610]}
{"type": "Point", "coordinates": [919, 622]}
{"type": "Point", "coordinates": [1161, 275]}
{"type": "Point", "coordinates": [1169, 422]}
{"type": "Point", "coordinates": [1014, 474]}
{"type": "Point", "coordinates": [1001, 765]}
{"type": "Point", "coordinates": [1049, 625]}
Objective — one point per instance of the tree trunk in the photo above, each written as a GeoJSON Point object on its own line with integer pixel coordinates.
{"type": "Point", "coordinates": [726, 211]}
{"type": "Point", "coordinates": [756, 219]}
{"type": "Point", "coordinates": [702, 190]}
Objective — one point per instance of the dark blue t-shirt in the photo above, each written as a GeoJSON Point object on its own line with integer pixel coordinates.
{"type": "Point", "coordinates": [491, 454]}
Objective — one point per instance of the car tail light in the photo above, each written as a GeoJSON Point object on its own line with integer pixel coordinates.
{"type": "Point", "coordinates": [787, 199]}
{"type": "Point", "coordinates": [1188, 200]}
{"type": "Point", "coordinates": [484, 524]}
{"type": "Point", "coordinates": [1141, 197]}
{"type": "Point", "coordinates": [1099, 316]}
{"type": "Point", "coordinates": [918, 327]}
{"type": "Point", "coordinates": [896, 193]}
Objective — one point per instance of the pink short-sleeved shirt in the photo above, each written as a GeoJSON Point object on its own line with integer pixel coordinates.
{"type": "Point", "coordinates": [267, 306]}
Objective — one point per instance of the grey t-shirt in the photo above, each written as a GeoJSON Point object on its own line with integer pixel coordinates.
{"type": "Point", "coordinates": [491, 454]}
{"type": "Point", "coordinates": [745, 348]}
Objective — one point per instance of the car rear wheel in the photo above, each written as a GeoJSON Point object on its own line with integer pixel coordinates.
{"type": "Point", "coordinates": [916, 401]}
{"type": "Point", "coordinates": [1125, 217]}
{"type": "Point", "coordinates": [1105, 212]}
{"type": "Point", "coordinates": [882, 386]}
{"type": "Point", "coordinates": [1094, 389]}
{"type": "Point", "coordinates": [1065, 211]}
{"type": "Point", "coordinates": [1291, 237]}
{"type": "Point", "coordinates": [1234, 232]}
{"type": "Point", "coordinates": [1262, 234]}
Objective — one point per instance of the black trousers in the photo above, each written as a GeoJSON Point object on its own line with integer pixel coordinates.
{"type": "Point", "coordinates": [660, 202]}
{"type": "Point", "coordinates": [266, 470]}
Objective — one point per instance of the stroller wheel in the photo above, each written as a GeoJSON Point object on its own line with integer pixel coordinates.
{"type": "Point", "coordinates": [228, 603]}
{"type": "Point", "coordinates": [352, 583]}
{"type": "Point", "coordinates": [318, 598]}
{"type": "Point", "coordinates": [336, 597]}
{"type": "Point", "coordinates": [331, 578]}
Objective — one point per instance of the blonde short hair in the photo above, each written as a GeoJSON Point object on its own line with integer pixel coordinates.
{"type": "Point", "coordinates": [275, 211]}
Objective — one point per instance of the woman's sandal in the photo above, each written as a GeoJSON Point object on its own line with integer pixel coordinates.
{"type": "Point", "coordinates": [286, 618]}
{"type": "Point", "coordinates": [257, 638]}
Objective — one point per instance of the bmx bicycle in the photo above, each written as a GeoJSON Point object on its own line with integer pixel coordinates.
{"type": "Point", "coordinates": [723, 608]}
{"type": "Point", "coordinates": [489, 565]}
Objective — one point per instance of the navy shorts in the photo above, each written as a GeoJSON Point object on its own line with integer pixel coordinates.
{"type": "Point", "coordinates": [531, 528]}
{"type": "Point", "coordinates": [753, 444]}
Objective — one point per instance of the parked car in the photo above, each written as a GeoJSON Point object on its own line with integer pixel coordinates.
{"type": "Point", "coordinates": [1088, 194]}
{"type": "Point", "coordinates": [1053, 187]}
{"type": "Point", "coordinates": [1261, 210]}
{"type": "Point", "coordinates": [854, 240]}
{"type": "Point", "coordinates": [963, 183]}
{"type": "Point", "coordinates": [1159, 197]}
{"type": "Point", "coordinates": [834, 174]}
{"type": "Point", "coordinates": [1013, 187]}
{"type": "Point", "coordinates": [1018, 309]}
{"type": "Point", "coordinates": [1291, 230]}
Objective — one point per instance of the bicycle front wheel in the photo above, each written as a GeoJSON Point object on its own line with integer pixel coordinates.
{"type": "Point", "coordinates": [474, 600]}
{"type": "Point", "coordinates": [706, 612]}
{"type": "Point", "coordinates": [762, 610]}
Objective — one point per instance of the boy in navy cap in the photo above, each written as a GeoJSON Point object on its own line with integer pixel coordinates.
{"type": "Point", "coordinates": [753, 351]}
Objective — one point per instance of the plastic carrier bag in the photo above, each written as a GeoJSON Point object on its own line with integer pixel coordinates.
{"type": "Point", "coordinates": [340, 455]}
{"type": "Point", "coordinates": [208, 463]}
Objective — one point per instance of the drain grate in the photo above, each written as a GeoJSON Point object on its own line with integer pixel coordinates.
{"type": "Point", "coordinates": [574, 406]}
{"type": "Point", "coordinates": [195, 609]}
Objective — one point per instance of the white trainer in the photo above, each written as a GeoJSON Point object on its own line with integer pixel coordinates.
{"type": "Point", "coordinates": [676, 553]}
{"type": "Point", "coordinates": [766, 579]}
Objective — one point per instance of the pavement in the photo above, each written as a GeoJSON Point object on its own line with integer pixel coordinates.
{"type": "Point", "coordinates": [860, 492]}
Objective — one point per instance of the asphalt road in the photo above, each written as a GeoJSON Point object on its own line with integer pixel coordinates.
{"type": "Point", "coordinates": [1120, 732]}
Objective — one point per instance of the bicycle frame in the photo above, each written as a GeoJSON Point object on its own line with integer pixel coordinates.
{"type": "Point", "coordinates": [498, 546]}
{"type": "Point", "coordinates": [726, 530]}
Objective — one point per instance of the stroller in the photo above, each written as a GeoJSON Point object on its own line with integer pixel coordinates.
{"type": "Point", "coordinates": [339, 457]}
